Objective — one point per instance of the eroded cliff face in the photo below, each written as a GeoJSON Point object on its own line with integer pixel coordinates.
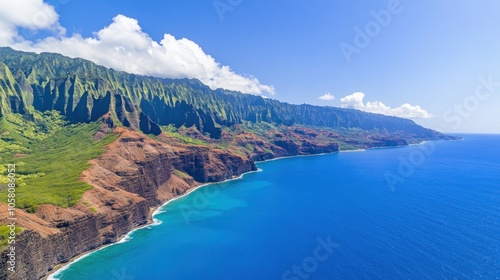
{"type": "Point", "coordinates": [134, 175]}
{"type": "Point", "coordinates": [84, 91]}
{"type": "Point", "coordinates": [137, 173]}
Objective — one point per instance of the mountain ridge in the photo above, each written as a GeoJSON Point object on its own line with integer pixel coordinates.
{"type": "Point", "coordinates": [84, 91]}
{"type": "Point", "coordinates": [98, 149]}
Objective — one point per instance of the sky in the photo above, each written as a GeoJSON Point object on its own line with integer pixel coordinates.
{"type": "Point", "coordinates": [436, 62]}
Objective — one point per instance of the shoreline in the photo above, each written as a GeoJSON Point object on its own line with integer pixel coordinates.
{"type": "Point", "coordinates": [126, 237]}
{"type": "Point", "coordinates": [157, 210]}
{"type": "Point", "coordinates": [320, 154]}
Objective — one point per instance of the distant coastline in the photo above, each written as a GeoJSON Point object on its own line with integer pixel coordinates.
{"type": "Point", "coordinates": [158, 210]}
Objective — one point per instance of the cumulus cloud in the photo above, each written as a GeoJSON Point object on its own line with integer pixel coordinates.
{"type": "Point", "coordinates": [327, 97]}
{"type": "Point", "coordinates": [355, 101]}
{"type": "Point", "coordinates": [30, 14]}
{"type": "Point", "coordinates": [122, 45]}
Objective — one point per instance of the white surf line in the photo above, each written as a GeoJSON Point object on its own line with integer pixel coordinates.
{"type": "Point", "coordinates": [287, 157]}
{"type": "Point", "coordinates": [346, 151]}
{"type": "Point", "coordinates": [55, 275]}
{"type": "Point", "coordinates": [353, 151]}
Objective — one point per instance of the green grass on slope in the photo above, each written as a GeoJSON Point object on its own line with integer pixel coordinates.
{"type": "Point", "coordinates": [171, 131]}
{"type": "Point", "coordinates": [57, 154]}
{"type": "Point", "coordinates": [4, 235]}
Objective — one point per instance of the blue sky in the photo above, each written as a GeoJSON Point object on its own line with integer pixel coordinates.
{"type": "Point", "coordinates": [433, 54]}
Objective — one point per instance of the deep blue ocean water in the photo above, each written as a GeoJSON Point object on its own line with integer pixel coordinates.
{"type": "Point", "coordinates": [429, 211]}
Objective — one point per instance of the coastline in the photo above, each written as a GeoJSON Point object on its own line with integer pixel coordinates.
{"type": "Point", "coordinates": [158, 209]}
{"type": "Point", "coordinates": [320, 154]}
{"type": "Point", "coordinates": [126, 237]}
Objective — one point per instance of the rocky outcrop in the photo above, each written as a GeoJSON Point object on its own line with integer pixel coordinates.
{"type": "Point", "coordinates": [70, 232]}
{"type": "Point", "coordinates": [290, 141]}
{"type": "Point", "coordinates": [204, 164]}
{"type": "Point", "coordinates": [137, 173]}
{"type": "Point", "coordinates": [134, 175]}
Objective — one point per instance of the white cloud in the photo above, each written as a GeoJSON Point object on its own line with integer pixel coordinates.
{"type": "Point", "coordinates": [355, 101]}
{"type": "Point", "coordinates": [122, 46]}
{"type": "Point", "coordinates": [327, 97]}
{"type": "Point", "coordinates": [30, 14]}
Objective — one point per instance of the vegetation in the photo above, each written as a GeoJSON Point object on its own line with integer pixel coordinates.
{"type": "Point", "coordinates": [52, 148]}
{"type": "Point", "coordinates": [81, 91]}
{"type": "Point", "coordinates": [4, 235]}
{"type": "Point", "coordinates": [181, 174]}
{"type": "Point", "coordinates": [171, 131]}
{"type": "Point", "coordinates": [257, 128]}
{"type": "Point", "coordinates": [55, 154]}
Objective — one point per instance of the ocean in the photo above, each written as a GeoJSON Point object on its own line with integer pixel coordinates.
{"type": "Point", "coordinates": [428, 211]}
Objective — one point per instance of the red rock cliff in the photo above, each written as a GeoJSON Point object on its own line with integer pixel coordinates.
{"type": "Point", "coordinates": [134, 175]}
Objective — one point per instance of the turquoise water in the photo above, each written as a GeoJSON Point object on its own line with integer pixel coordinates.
{"type": "Point", "coordinates": [428, 211]}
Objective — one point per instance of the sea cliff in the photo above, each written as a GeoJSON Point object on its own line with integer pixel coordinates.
{"type": "Point", "coordinates": [161, 138]}
{"type": "Point", "coordinates": [134, 176]}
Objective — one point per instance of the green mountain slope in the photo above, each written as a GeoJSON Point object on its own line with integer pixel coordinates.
{"type": "Point", "coordinates": [58, 113]}
{"type": "Point", "coordinates": [83, 91]}
{"type": "Point", "coordinates": [49, 155]}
